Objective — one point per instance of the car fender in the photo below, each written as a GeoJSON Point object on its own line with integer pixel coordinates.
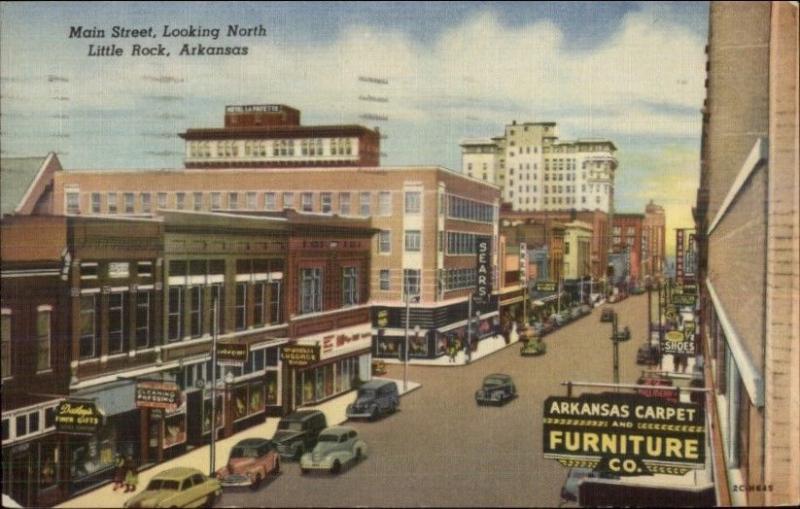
{"type": "Point", "coordinates": [360, 444]}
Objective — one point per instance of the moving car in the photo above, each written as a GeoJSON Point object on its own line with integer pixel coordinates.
{"type": "Point", "coordinates": [250, 462]}
{"type": "Point", "coordinates": [575, 476]}
{"type": "Point", "coordinates": [376, 397]}
{"type": "Point", "coordinates": [607, 315]}
{"type": "Point", "coordinates": [298, 432]}
{"type": "Point", "coordinates": [337, 446]}
{"type": "Point", "coordinates": [496, 389]}
{"type": "Point", "coordinates": [178, 487]}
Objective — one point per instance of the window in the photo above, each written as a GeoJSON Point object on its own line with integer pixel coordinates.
{"type": "Point", "coordinates": [216, 201]}
{"type": "Point", "coordinates": [288, 200]}
{"type": "Point", "coordinates": [95, 203]}
{"type": "Point", "coordinates": [218, 297]}
{"type": "Point", "coordinates": [89, 270]}
{"type": "Point", "coordinates": [73, 203]}
{"type": "Point", "coordinates": [385, 203]}
{"type": "Point", "coordinates": [412, 240]}
{"type": "Point", "coordinates": [250, 200]}
{"type": "Point", "coordinates": [43, 338]}
{"type": "Point", "coordinates": [385, 242]}
{"type": "Point", "coordinates": [306, 202]}
{"type": "Point", "coordinates": [413, 202]}
{"type": "Point", "coordinates": [411, 282]}
{"type": "Point", "coordinates": [196, 311]}
{"type": "Point", "coordinates": [240, 309]}
{"type": "Point", "coordinates": [5, 338]}
{"type": "Point", "coordinates": [349, 286]}
{"type": "Point", "coordinates": [116, 322]}
{"type": "Point", "coordinates": [269, 201]}
{"type": "Point", "coordinates": [162, 200]}
{"type": "Point", "coordinates": [274, 301]}
{"type": "Point", "coordinates": [384, 279]}
{"type": "Point", "coordinates": [344, 204]}
{"type": "Point", "coordinates": [566, 248]}
{"type": "Point", "coordinates": [233, 201]}
{"type": "Point", "coordinates": [364, 204]}
{"type": "Point", "coordinates": [112, 203]}
{"type": "Point", "coordinates": [461, 243]}
{"type": "Point", "coordinates": [310, 290]}
{"type": "Point", "coordinates": [174, 313]}
{"type": "Point", "coordinates": [260, 303]}
{"type": "Point", "coordinates": [326, 204]}
{"type": "Point", "coordinates": [198, 201]}
{"type": "Point", "coordinates": [88, 339]}
{"type": "Point", "coordinates": [146, 203]}
{"type": "Point", "coordinates": [180, 201]}
{"type": "Point", "coordinates": [143, 319]}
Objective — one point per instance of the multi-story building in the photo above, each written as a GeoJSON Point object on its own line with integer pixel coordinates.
{"type": "Point", "coordinates": [653, 241]}
{"type": "Point", "coordinates": [537, 171]}
{"type": "Point", "coordinates": [627, 236]}
{"type": "Point", "coordinates": [270, 136]}
{"type": "Point", "coordinates": [747, 218]}
{"type": "Point", "coordinates": [429, 220]}
{"type": "Point", "coordinates": [577, 250]}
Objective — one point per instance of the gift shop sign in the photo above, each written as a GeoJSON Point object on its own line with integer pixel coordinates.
{"type": "Point", "coordinates": [78, 418]}
{"type": "Point", "coordinates": [164, 395]}
{"type": "Point", "coordinates": [624, 434]}
{"type": "Point", "coordinates": [340, 342]}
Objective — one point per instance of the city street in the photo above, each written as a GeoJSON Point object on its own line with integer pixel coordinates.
{"type": "Point", "coordinates": [441, 449]}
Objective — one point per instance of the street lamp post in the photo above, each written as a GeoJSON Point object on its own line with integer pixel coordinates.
{"type": "Point", "coordinates": [405, 355]}
{"type": "Point", "coordinates": [212, 459]}
{"type": "Point", "coordinates": [616, 348]}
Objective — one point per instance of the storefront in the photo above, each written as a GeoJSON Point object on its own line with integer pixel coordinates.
{"type": "Point", "coordinates": [344, 359]}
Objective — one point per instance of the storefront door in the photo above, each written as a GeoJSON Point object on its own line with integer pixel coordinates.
{"type": "Point", "coordinates": [22, 477]}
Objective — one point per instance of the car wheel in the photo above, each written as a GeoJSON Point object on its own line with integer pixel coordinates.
{"type": "Point", "coordinates": [336, 468]}
{"type": "Point", "coordinates": [358, 455]}
{"type": "Point", "coordinates": [277, 469]}
{"type": "Point", "coordinates": [374, 414]}
{"type": "Point", "coordinates": [256, 482]}
{"type": "Point", "coordinates": [298, 452]}
{"type": "Point", "coordinates": [304, 471]}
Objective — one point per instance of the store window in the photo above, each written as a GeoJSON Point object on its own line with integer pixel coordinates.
{"type": "Point", "coordinates": [174, 429]}
{"type": "Point", "coordinates": [48, 465]}
{"type": "Point", "coordinates": [248, 400]}
{"type": "Point", "coordinates": [272, 389]}
{"type": "Point", "coordinates": [43, 338]}
{"type": "Point", "coordinates": [93, 455]}
{"type": "Point", "coordinates": [207, 414]}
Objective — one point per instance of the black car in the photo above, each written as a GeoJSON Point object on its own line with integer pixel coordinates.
{"type": "Point", "coordinates": [496, 389]}
{"type": "Point", "coordinates": [607, 315]}
{"type": "Point", "coordinates": [374, 398]}
{"type": "Point", "coordinates": [298, 432]}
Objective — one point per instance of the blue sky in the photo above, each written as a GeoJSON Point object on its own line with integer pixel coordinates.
{"type": "Point", "coordinates": [632, 72]}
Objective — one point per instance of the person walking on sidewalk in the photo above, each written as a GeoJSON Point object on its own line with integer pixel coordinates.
{"type": "Point", "coordinates": [131, 475]}
{"type": "Point", "coordinates": [119, 471]}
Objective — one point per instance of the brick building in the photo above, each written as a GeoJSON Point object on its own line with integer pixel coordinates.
{"type": "Point", "coordinates": [653, 241]}
{"type": "Point", "coordinates": [748, 251]}
{"type": "Point", "coordinates": [271, 136]}
{"type": "Point", "coordinates": [627, 236]}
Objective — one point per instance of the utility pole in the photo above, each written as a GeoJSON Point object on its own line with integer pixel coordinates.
{"type": "Point", "coordinates": [405, 354]}
{"type": "Point", "coordinates": [649, 311]}
{"type": "Point", "coordinates": [212, 459]}
{"type": "Point", "coordinates": [616, 348]}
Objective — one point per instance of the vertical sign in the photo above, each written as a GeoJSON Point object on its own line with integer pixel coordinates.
{"type": "Point", "coordinates": [523, 264]}
{"type": "Point", "coordinates": [690, 258]}
{"type": "Point", "coordinates": [679, 254]}
{"type": "Point", "coordinates": [484, 267]}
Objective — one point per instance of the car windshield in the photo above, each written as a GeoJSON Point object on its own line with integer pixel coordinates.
{"type": "Point", "coordinates": [244, 452]}
{"type": "Point", "coordinates": [366, 393]}
{"type": "Point", "coordinates": [328, 438]}
{"type": "Point", "coordinates": [494, 381]}
{"type": "Point", "coordinates": [160, 484]}
{"type": "Point", "coordinates": [291, 425]}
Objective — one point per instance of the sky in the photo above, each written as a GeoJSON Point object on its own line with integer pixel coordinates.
{"type": "Point", "coordinates": [628, 71]}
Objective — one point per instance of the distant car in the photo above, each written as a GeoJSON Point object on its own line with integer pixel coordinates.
{"type": "Point", "coordinates": [337, 446]}
{"type": "Point", "coordinates": [647, 354]}
{"type": "Point", "coordinates": [575, 312]}
{"type": "Point", "coordinates": [637, 291]}
{"type": "Point", "coordinates": [250, 462]}
{"type": "Point", "coordinates": [586, 309]}
{"type": "Point", "coordinates": [624, 334]}
{"type": "Point", "coordinates": [496, 389]}
{"type": "Point", "coordinates": [178, 487]}
{"type": "Point", "coordinates": [298, 432]}
{"type": "Point", "coordinates": [575, 476]}
{"type": "Point", "coordinates": [607, 315]}
{"type": "Point", "coordinates": [376, 397]}
{"type": "Point", "coordinates": [533, 348]}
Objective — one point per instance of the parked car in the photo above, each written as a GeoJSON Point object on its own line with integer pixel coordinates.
{"type": "Point", "coordinates": [250, 462]}
{"type": "Point", "coordinates": [575, 476]}
{"type": "Point", "coordinates": [533, 347]}
{"type": "Point", "coordinates": [376, 397]}
{"type": "Point", "coordinates": [648, 354]}
{"type": "Point", "coordinates": [638, 290]}
{"type": "Point", "coordinates": [496, 389]}
{"type": "Point", "coordinates": [337, 446]}
{"type": "Point", "coordinates": [178, 487]}
{"type": "Point", "coordinates": [624, 334]}
{"type": "Point", "coordinates": [575, 313]}
{"type": "Point", "coordinates": [298, 432]}
{"type": "Point", "coordinates": [586, 309]}
{"type": "Point", "coordinates": [607, 315]}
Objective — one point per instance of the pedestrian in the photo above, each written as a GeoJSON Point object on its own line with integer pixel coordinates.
{"type": "Point", "coordinates": [684, 362]}
{"type": "Point", "coordinates": [119, 471]}
{"type": "Point", "coordinates": [451, 351]}
{"type": "Point", "coordinates": [131, 475]}
{"type": "Point", "coordinates": [676, 362]}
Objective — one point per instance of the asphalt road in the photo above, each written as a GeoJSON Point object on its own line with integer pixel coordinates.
{"type": "Point", "coordinates": [441, 449]}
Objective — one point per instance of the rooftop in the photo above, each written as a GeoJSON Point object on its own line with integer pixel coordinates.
{"type": "Point", "coordinates": [17, 174]}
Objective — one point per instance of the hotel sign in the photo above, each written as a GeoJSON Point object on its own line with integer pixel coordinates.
{"type": "Point", "coordinates": [624, 434]}
{"type": "Point", "coordinates": [231, 354]}
{"type": "Point", "coordinates": [164, 395]}
{"type": "Point", "coordinates": [78, 418]}
{"type": "Point", "coordinates": [300, 356]}
{"type": "Point", "coordinates": [483, 288]}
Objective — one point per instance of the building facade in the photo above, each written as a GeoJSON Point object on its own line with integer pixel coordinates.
{"type": "Point", "coordinates": [577, 250]}
{"type": "Point", "coordinates": [747, 231]}
{"type": "Point", "coordinates": [271, 136]}
{"type": "Point", "coordinates": [537, 171]}
{"type": "Point", "coordinates": [627, 236]}
{"type": "Point", "coordinates": [653, 241]}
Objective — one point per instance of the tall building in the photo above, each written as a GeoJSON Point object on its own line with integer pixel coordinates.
{"type": "Point", "coordinates": [653, 241]}
{"type": "Point", "coordinates": [627, 237]}
{"type": "Point", "coordinates": [271, 136]}
{"type": "Point", "coordinates": [747, 218]}
{"type": "Point", "coordinates": [537, 171]}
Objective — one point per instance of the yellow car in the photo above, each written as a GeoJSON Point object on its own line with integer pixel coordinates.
{"type": "Point", "coordinates": [178, 487]}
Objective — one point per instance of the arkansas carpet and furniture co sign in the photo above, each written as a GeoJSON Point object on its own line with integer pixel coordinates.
{"type": "Point", "coordinates": [624, 434]}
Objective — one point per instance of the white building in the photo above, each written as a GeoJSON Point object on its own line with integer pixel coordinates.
{"type": "Point", "coordinates": [537, 171]}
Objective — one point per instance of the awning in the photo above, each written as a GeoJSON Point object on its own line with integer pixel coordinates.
{"type": "Point", "coordinates": [111, 398]}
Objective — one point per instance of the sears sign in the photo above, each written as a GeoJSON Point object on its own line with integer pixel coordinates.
{"type": "Point", "coordinates": [483, 288]}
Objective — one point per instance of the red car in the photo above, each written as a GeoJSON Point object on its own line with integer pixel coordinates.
{"type": "Point", "coordinates": [250, 462]}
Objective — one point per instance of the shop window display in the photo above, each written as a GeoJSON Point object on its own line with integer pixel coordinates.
{"type": "Point", "coordinates": [207, 414]}
{"type": "Point", "coordinates": [49, 468]}
{"type": "Point", "coordinates": [94, 455]}
{"type": "Point", "coordinates": [174, 430]}
{"type": "Point", "coordinates": [272, 387]}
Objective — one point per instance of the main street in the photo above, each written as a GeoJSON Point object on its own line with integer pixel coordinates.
{"type": "Point", "coordinates": [441, 449]}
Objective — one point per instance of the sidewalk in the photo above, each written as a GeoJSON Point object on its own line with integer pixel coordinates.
{"type": "Point", "coordinates": [486, 347]}
{"type": "Point", "coordinates": [104, 496]}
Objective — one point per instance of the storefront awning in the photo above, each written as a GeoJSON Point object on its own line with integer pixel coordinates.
{"type": "Point", "coordinates": [111, 398]}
